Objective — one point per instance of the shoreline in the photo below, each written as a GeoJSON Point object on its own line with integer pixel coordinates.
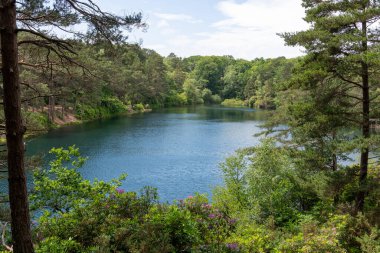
{"type": "Point", "coordinates": [73, 120]}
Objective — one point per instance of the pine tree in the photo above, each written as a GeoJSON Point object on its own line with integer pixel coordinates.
{"type": "Point", "coordinates": [31, 17]}
{"type": "Point", "coordinates": [342, 63]}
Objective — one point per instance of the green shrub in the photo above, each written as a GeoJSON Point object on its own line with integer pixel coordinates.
{"type": "Point", "coordinates": [261, 182]}
{"type": "Point", "coordinates": [139, 107]}
{"type": "Point", "coordinates": [207, 96]}
{"type": "Point", "coordinates": [37, 120]}
{"type": "Point", "coordinates": [315, 237]}
{"type": "Point", "coordinates": [56, 245]}
{"type": "Point", "coordinates": [233, 102]}
{"type": "Point", "coordinates": [252, 102]}
{"type": "Point", "coordinates": [176, 99]}
{"type": "Point", "coordinates": [108, 106]}
{"type": "Point", "coordinates": [216, 99]}
{"type": "Point", "coordinates": [83, 216]}
{"type": "Point", "coordinates": [252, 238]}
{"type": "Point", "coordinates": [113, 105]}
{"type": "Point", "coordinates": [370, 243]}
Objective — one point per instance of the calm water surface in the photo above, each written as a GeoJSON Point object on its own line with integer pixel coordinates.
{"type": "Point", "coordinates": [176, 150]}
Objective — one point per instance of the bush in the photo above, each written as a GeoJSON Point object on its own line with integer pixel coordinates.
{"type": "Point", "coordinates": [233, 102]}
{"type": "Point", "coordinates": [176, 99]}
{"type": "Point", "coordinates": [55, 244]}
{"type": "Point", "coordinates": [315, 237]}
{"type": "Point", "coordinates": [252, 102]}
{"type": "Point", "coordinates": [261, 182]}
{"type": "Point", "coordinates": [139, 107]}
{"type": "Point", "coordinates": [207, 96]}
{"type": "Point", "coordinates": [83, 216]}
{"type": "Point", "coordinates": [216, 99]}
{"type": "Point", "coordinates": [113, 104]}
{"type": "Point", "coordinates": [108, 106]}
{"type": "Point", "coordinates": [265, 206]}
{"type": "Point", "coordinates": [370, 243]}
{"type": "Point", "coordinates": [37, 120]}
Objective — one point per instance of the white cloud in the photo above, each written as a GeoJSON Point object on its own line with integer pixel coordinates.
{"type": "Point", "coordinates": [163, 23]}
{"type": "Point", "coordinates": [177, 17]}
{"type": "Point", "coordinates": [250, 29]}
{"type": "Point", "coordinates": [274, 15]}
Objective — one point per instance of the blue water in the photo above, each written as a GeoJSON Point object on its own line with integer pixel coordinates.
{"type": "Point", "coordinates": [176, 150]}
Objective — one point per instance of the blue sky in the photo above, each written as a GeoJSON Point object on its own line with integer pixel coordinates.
{"type": "Point", "coordinates": [241, 28]}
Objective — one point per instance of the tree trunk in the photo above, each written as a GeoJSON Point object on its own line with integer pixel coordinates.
{"type": "Point", "coordinates": [18, 196]}
{"type": "Point", "coordinates": [63, 109]}
{"type": "Point", "coordinates": [334, 156]}
{"type": "Point", "coordinates": [51, 109]}
{"type": "Point", "coordinates": [365, 127]}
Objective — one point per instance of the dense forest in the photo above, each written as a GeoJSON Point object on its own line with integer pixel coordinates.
{"type": "Point", "coordinates": [300, 190]}
{"type": "Point", "coordinates": [108, 80]}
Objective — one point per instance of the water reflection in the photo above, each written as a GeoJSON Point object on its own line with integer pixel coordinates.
{"type": "Point", "coordinates": [176, 150]}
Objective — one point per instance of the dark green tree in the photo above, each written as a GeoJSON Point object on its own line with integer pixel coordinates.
{"type": "Point", "coordinates": [342, 61]}
{"type": "Point", "coordinates": [32, 17]}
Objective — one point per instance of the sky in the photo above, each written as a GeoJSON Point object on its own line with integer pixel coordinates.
{"type": "Point", "coordinates": [242, 28]}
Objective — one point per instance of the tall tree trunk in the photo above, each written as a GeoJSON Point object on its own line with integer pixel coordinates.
{"type": "Point", "coordinates": [18, 196]}
{"type": "Point", "coordinates": [63, 103]}
{"type": "Point", "coordinates": [334, 156]}
{"type": "Point", "coordinates": [51, 109]}
{"type": "Point", "coordinates": [365, 126]}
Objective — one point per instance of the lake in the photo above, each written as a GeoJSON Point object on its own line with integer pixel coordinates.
{"type": "Point", "coordinates": [177, 150]}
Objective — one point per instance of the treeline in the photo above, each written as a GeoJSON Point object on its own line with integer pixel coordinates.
{"type": "Point", "coordinates": [111, 79]}
{"type": "Point", "coordinates": [300, 191]}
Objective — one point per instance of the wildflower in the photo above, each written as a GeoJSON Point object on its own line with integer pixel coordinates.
{"type": "Point", "coordinates": [206, 206]}
{"type": "Point", "coordinates": [120, 191]}
{"type": "Point", "coordinates": [233, 246]}
{"type": "Point", "coordinates": [190, 197]}
{"type": "Point", "coordinates": [211, 216]}
{"type": "Point", "coordinates": [232, 221]}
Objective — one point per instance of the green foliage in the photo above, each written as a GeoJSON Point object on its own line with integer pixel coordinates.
{"type": "Point", "coordinates": [216, 99]}
{"type": "Point", "coordinates": [128, 74]}
{"type": "Point", "coordinates": [176, 99]}
{"type": "Point", "coordinates": [108, 106]}
{"type": "Point", "coordinates": [233, 102]}
{"type": "Point", "coordinates": [207, 96]}
{"type": "Point", "coordinates": [83, 216]}
{"type": "Point", "coordinates": [139, 107]}
{"type": "Point", "coordinates": [113, 105]}
{"type": "Point", "coordinates": [262, 184]}
{"type": "Point", "coordinates": [36, 120]}
{"type": "Point", "coordinates": [265, 205]}
{"type": "Point", "coordinates": [62, 188]}
{"type": "Point", "coordinates": [370, 243]}
{"type": "Point", "coordinates": [252, 238]}
{"type": "Point", "coordinates": [339, 84]}
{"type": "Point", "coordinates": [315, 237]}
{"type": "Point", "coordinates": [192, 90]}
{"type": "Point", "coordinates": [55, 244]}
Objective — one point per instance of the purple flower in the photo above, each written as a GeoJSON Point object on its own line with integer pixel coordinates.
{"type": "Point", "coordinates": [211, 216]}
{"type": "Point", "coordinates": [232, 221]}
{"type": "Point", "coordinates": [206, 206]}
{"type": "Point", "coordinates": [120, 191]}
{"type": "Point", "coordinates": [233, 246]}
